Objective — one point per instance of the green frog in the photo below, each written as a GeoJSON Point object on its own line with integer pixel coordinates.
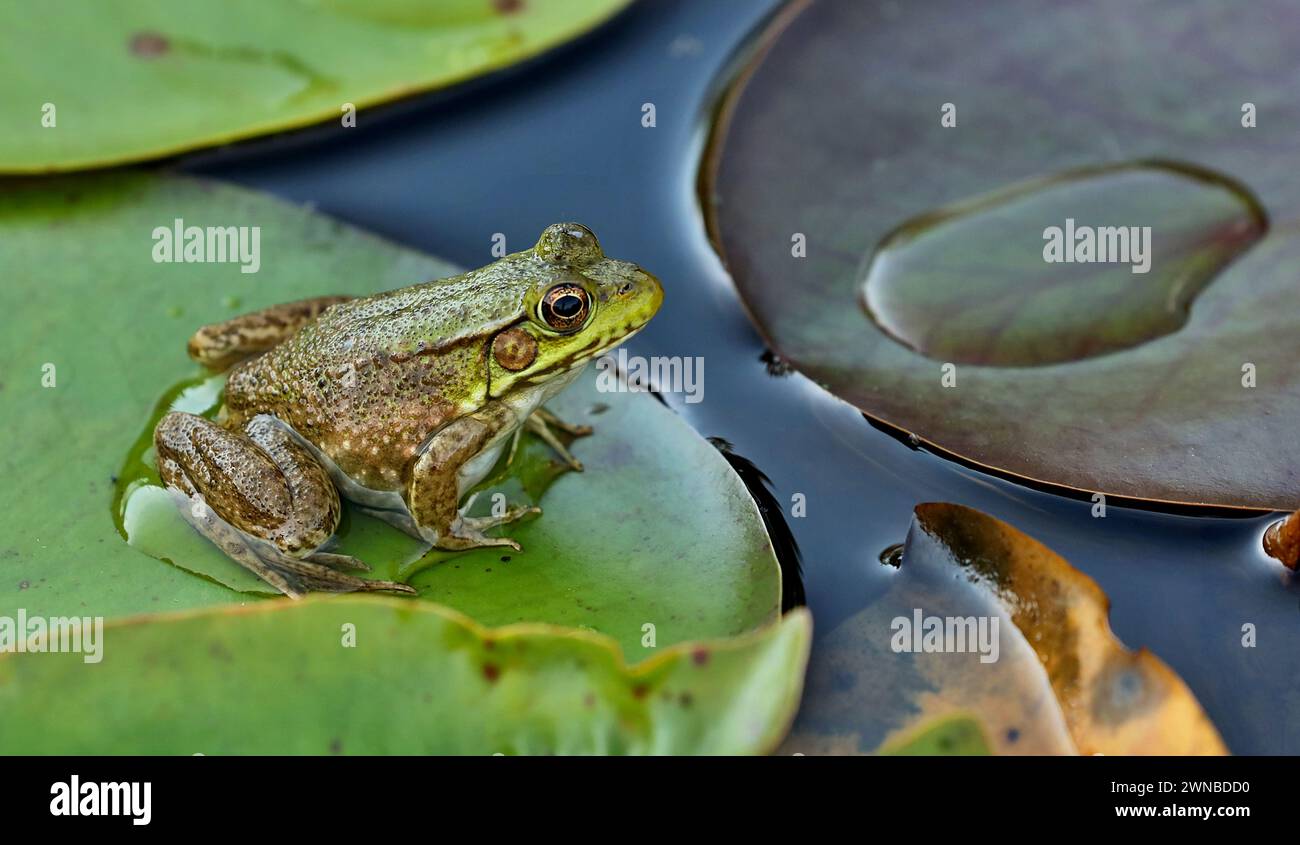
{"type": "Point", "coordinates": [401, 402]}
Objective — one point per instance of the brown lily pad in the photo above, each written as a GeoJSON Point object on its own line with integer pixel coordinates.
{"type": "Point", "coordinates": [902, 263]}
{"type": "Point", "coordinates": [1282, 540]}
{"type": "Point", "coordinates": [1024, 646]}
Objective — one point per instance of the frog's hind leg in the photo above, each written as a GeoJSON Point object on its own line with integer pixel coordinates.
{"type": "Point", "coordinates": [222, 345]}
{"type": "Point", "coordinates": [261, 497]}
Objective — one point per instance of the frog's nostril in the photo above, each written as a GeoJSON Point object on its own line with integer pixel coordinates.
{"type": "Point", "coordinates": [625, 289]}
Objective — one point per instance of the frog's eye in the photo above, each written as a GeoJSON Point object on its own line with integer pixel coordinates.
{"type": "Point", "coordinates": [565, 307]}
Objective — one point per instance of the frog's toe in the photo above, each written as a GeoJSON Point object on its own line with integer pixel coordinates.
{"type": "Point", "coordinates": [504, 541]}
{"type": "Point", "coordinates": [473, 540]}
{"type": "Point", "coordinates": [482, 523]}
{"type": "Point", "coordinates": [541, 422]}
{"type": "Point", "coordinates": [308, 574]}
{"type": "Point", "coordinates": [468, 530]}
{"type": "Point", "coordinates": [337, 561]}
{"type": "Point", "coordinates": [576, 429]}
{"type": "Point", "coordinates": [386, 587]}
{"type": "Point", "coordinates": [468, 537]}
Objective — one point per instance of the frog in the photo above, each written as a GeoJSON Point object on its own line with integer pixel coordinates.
{"type": "Point", "coordinates": [400, 403]}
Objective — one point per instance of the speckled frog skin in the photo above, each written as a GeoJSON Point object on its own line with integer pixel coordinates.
{"type": "Point", "coordinates": [401, 401]}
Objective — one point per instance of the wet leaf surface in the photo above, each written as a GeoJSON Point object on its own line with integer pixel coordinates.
{"type": "Point", "coordinates": [1060, 681]}
{"type": "Point", "coordinates": [657, 531]}
{"type": "Point", "coordinates": [924, 243]}
{"type": "Point", "coordinates": [148, 78]}
{"type": "Point", "coordinates": [434, 683]}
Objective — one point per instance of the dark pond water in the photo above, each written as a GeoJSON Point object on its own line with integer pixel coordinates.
{"type": "Point", "coordinates": [562, 139]}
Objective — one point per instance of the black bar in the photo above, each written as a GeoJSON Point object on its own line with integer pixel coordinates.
{"type": "Point", "coordinates": [216, 794]}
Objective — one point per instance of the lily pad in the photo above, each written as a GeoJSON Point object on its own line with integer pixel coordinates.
{"type": "Point", "coordinates": [955, 736]}
{"type": "Point", "coordinates": [657, 532]}
{"type": "Point", "coordinates": [886, 219]}
{"type": "Point", "coordinates": [1058, 681]}
{"type": "Point", "coordinates": [434, 683]}
{"type": "Point", "coordinates": [96, 330]}
{"type": "Point", "coordinates": [598, 556]}
{"type": "Point", "coordinates": [90, 84]}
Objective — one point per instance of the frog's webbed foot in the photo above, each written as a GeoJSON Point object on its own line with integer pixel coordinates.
{"type": "Point", "coordinates": [321, 572]}
{"type": "Point", "coordinates": [541, 422]}
{"type": "Point", "coordinates": [464, 532]}
{"type": "Point", "coordinates": [467, 531]}
{"type": "Point", "coordinates": [291, 576]}
{"type": "Point", "coordinates": [262, 498]}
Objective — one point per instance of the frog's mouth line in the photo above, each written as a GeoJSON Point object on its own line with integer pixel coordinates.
{"type": "Point", "coordinates": [584, 355]}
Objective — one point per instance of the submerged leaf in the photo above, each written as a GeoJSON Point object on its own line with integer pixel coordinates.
{"type": "Point", "coordinates": [899, 258]}
{"type": "Point", "coordinates": [89, 84]}
{"type": "Point", "coordinates": [281, 678]}
{"type": "Point", "coordinates": [984, 620]}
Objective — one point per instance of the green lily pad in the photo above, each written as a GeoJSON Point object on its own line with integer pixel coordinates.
{"type": "Point", "coordinates": [418, 679]}
{"type": "Point", "coordinates": [89, 313]}
{"type": "Point", "coordinates": [957, 736]}
{"type": "Point", "coordinates": [130, 81]}
{"type": "Point", "coordinates": [657, 532]}
{"type": "Point", "coordinates": [888, 222]}
{"type": "Point", "coordinates": [983, 621]}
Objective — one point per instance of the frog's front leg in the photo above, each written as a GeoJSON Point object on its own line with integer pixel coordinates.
{"type": "Point", "coordinates": [262, 498]}
{"type": "Point", "coordinates": [540, 422]}
{"type": "Point", "coordinates": [454, 460]}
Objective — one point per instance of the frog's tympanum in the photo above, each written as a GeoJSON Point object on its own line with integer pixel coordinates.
{"type": "Point", "coordinates": [401, 401]}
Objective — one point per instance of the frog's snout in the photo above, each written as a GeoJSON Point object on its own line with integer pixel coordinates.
{"type": "Point", "coordinates": [644, 294]}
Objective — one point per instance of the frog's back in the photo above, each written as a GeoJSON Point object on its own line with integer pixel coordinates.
{"type": "Point", "coordinates": [417, 319]}
{"type": "Point", "coordinates": [371, 379]}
